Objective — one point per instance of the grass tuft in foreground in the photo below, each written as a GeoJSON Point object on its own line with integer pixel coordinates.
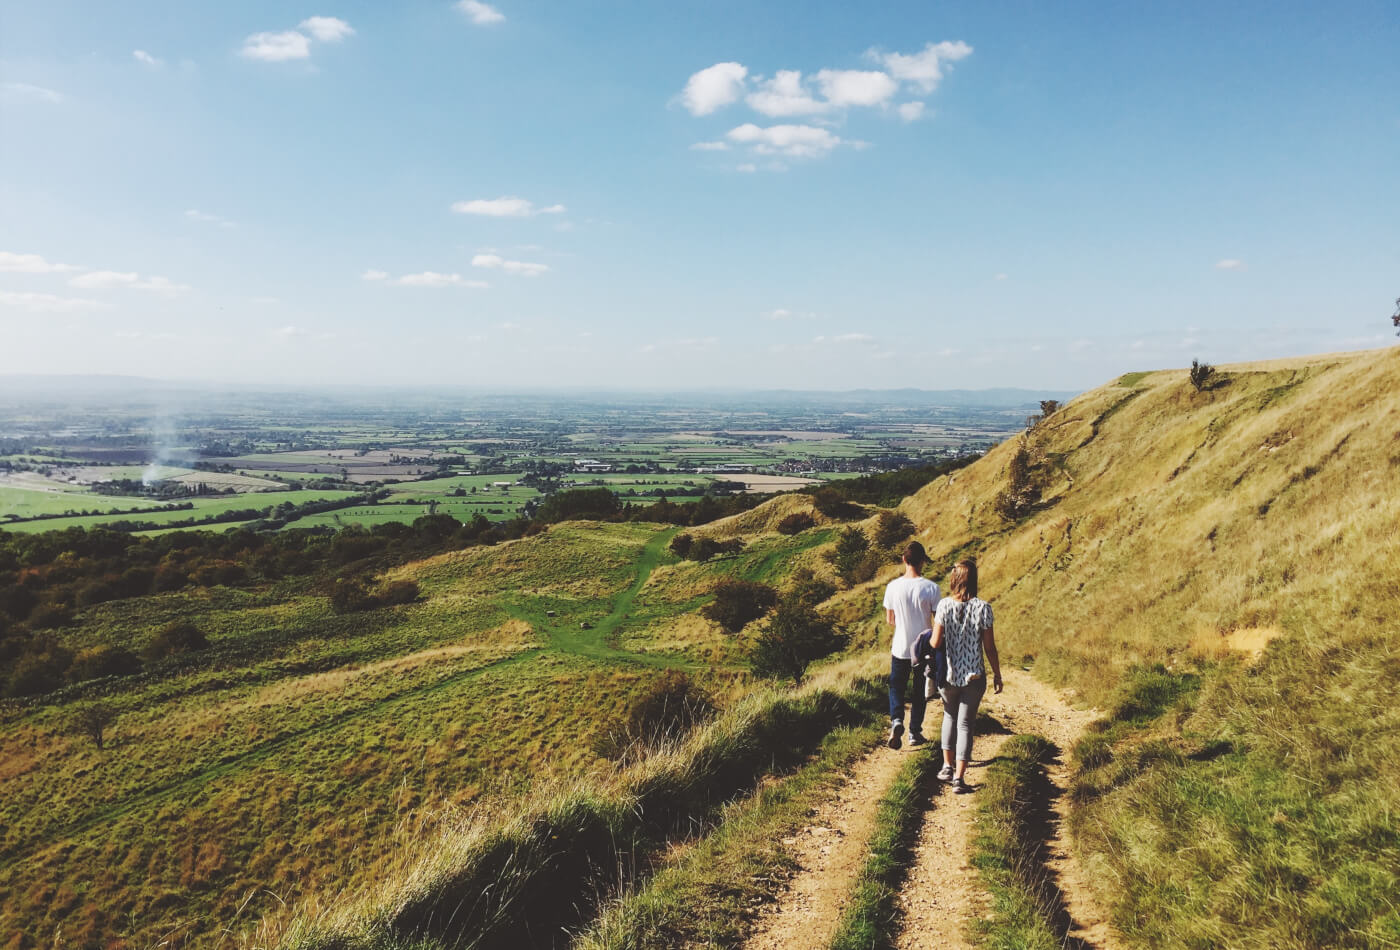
{"type": "Point", "coordinates": [868, 923]}
{"type": "Point", "coordinates": [1007, 850]}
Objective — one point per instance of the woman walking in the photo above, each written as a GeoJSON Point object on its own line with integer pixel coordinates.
{"type": "Point", "coordinates": [909, 603]}
{"type": "Point", "coordinates": [963, 626]}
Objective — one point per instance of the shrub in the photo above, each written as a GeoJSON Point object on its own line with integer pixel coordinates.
{"type": "Point", "coordinates": [351, 595]}
{"type": "Point", "coordinates": [737, 602]}
{"type": "Point", "coordinates": [103, 661]}
{"type": "Point", "coordinates": [398, 592]}
{"type": "Point", "coordinates": [174, 639]}
{"type": "Point", "coordinates": [808, 589]}
{"type": "Point", "coordinates": [665, 712]}
{"type": "Point", "coordinates": [833, 504]}
{"type": "Point", "coordinates": [97, 592]}
{"type": "Point", "coordinates": [169, 578]}
{"type": "Point", "coordinates": [796, 523]}
{"type": "Point", "coordinates": [849, 557]}
{"type": "Point", "coordinates": [1023, 485]}
{"type": "Point", "coordinates": [39, 668]}
{"type": "Point", "coordinates": [92, 720]}
{"type": "Point", "coordinates": [50, 617]}
{"type": "Point", "coordinates": [1201, 374]}
{"type": "Point", "coordinates": [891, 528]}
{"type": "Point", "coordinates": [704, 549]}
{"type": "Point", "coordinates": [680, 545]}
{"type": "Point", "coordinates": [792, 638]}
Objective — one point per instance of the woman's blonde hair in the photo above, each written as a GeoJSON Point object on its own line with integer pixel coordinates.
{"type": "Point", "coordinates": [962, 582]}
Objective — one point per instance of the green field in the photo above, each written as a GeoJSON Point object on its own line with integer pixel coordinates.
{"type": "Point", "coordinates": [204, 507]}
{"type": "Point", "coordinates": [28, 502]}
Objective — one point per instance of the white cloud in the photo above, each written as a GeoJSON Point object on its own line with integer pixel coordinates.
{"type": "Point", "coordinates": [797, 141]}
{"type": "Point", "coordinates": [496, 262]}
{"type": "Point", "coordinates": [327, 29]}
{"type": "Point", "coordinates": [46, 303]}
{"type": "Point", "coordinates": [482, 14]}
{"type": "Point", "coordinates": [372, 274]}
{"type": "Point", "coordinates": [12, 263]}
{"type": "Point", "coordinates": [846, 338]}
{"type": "Point", "coordinates": [782, 313]}
{"type": "Point", "coordinates": [130, 280]}
{"type": "Point", "coordinates": [141, 56]}
{"type": "Point", "coordinates": [194, 214]}
{"type": "Point", "coordinates": [856, 87]}
{"type": "Point", "coordinates": [714, 88]}
{"type": "Point", "coordinates": [784, 95]}
{"type": "Point", "coordinates": [276, 47]}
{"type": "Point", "coordinates": [1229, 263]}
{"type": "Point", "coordinates": [24, 90]}
{"type": "Point", "coordinates": [923, 69]}
{"type": "Point", "coordinates": [909, 111]}
{"type": "Point", "coordinates": [433, 279]}
{"type": "Point", "coordinates": [504, 208]}
{"type": "Point", "coordinates": [710, 147]}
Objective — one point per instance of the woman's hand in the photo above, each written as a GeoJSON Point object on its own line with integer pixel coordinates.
{"type": "Point", "coordinates": [996, 682]}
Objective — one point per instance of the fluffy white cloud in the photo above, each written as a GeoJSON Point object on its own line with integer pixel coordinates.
{"type": "Point", "coordinates": [327, 29]}
{"type": "Point", "coordinates": [24, 90]}
{"type": "Point", "coordinates": [496, 262]}
{"type": "Point", "coordinates": [130, 280]}
{"type": "Point", "coordinates": [909, 111]}
{"type": "Point", "coordinates": [373, 274]}
{"type": "Point", "coordinates": [12, 263]}
{"type": "Point", "coordinates": [504, 208]}
{"type": "Point", "coordinates": [1229, 263]}
{"type": "Point", "coordinates": [923, 69]}
{"type": "Point", "coordinates": [784, 95]}
{"type": "Point", "coordinates": [710, 147]}
{"type": "Point", "coordinates": [856, 87]}
{"type": "Point", "coordinates": [433, 279]}
{"type": "Point", "coordinates": [46, 303]}
{"type": "Point", "coordinates": [797, 141]}
{"type": "Point", "coordinates": [141, 56]}
{"type": "Point", "coordinates": [714, 88]}
{"type": "Point", "coordinates": [482, 14]}
{"type": "Point", "coordinates": [276, 47]}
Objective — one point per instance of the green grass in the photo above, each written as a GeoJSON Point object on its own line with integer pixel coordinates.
{"type": "Point", "coordinates": [203, 507]}
{"type": "Point", "coordinates": [868, 920]}
{"type": "Point", "coordinates": [1008, 850]}
{"type": "Point", "coordinates": [29, 502]}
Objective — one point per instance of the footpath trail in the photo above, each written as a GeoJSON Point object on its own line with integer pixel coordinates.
{"type": "Point", "coordinates": [942, 894]}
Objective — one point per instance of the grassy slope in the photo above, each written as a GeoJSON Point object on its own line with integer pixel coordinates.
{"type": "Point", "coordinates": [1178, 526]}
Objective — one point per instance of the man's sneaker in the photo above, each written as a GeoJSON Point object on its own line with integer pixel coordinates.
{"type": "Point", "coordinates": [960, 787]}
{"type": "Point", "coordinates": [896, 730]}
{"type": "Point", "coordinates": [917, 739]}
{"type": "Point", "coordinates": [945, 774]}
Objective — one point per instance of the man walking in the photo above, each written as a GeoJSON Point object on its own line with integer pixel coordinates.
{"type": "Point", "coordinates": [910, 601]}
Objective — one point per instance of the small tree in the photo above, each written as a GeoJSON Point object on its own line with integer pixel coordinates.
{"type": "Point", "coordinates": [1201, 374]}
{"type": "Point", "coordinates": [792, 638]}
{"type": "Point", "coordinates": [849, 556]}
{"type": "Point", "coordinates": [738, 602]}
{"type": "Point", "coordinates": [92, 721]}
{"type": "Point", "coordinates": [680, 545]}
{"type": "Point", "coordinates": [1023, 487]}
{"type": "Point", "coordinates": [891, 528]}
{"type": "Point", "coordinates": [796, 523]}
{"type": "Point", "coordinates": [704, 549]}
{"type": "Point", "coordinates": [1048, 407]}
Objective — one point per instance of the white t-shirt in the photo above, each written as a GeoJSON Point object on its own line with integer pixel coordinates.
{"type": "Point", "coordinates": [913, 600]}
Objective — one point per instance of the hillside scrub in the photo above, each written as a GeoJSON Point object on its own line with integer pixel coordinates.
{"type": "Point", "coordinates": [1247, 539]}
{"type": "Point", "coordinates": [515, 882]}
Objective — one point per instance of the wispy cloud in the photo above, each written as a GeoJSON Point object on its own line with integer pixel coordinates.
{"type": "Point", "coordinates": [496, 262]}
{"type": "Point", "coordinates": [910, 111]}
{"type": "Point", "coordinates": [373, 274]}
{"type": "Point", "coordinates": [846, 338]}
{"type": "Point", "coordinates": [924, 69]}
{"type": "Point", "coordinates": [24, 90]}
{"type": "Point", "coordinates": [710, 147]}
{"type": "Point", "coordinates": [482, 14]}
{"type": "Point", "coordinates": [119, 280]}
{"type": "Point", "coordinates": [12, 263]}
{"type": "Point", "coordinates": [327, 29]}
{"type": "Point", "coordinates": [433, 279]}
{"type": "Point", "coordinates": [284, 45]}
{"type": "Point", "coordinates": [795, 141]}
{"type": "Point", "coordinates": [194, 214]}
{"type": "Point", "coordinates": [1229, 263]}
{"type": "Point", "coordinates": [46, 303]}
{"type": "Point", "coordinates": [141, 56]}
{"type": "Point", "coordinates": [509, 207]}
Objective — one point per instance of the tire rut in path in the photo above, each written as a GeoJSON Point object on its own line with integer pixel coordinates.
{"type": "Point", "coordinates": [943, 893]}
{"type": "Point", "coordinates": [830, 851]}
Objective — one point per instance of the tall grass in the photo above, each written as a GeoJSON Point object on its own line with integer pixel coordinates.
{"type": "Point", "coordinates": [523, 879]}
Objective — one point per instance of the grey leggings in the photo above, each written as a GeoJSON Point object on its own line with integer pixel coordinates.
{"type": "Point", "coordinates": [960, 713]}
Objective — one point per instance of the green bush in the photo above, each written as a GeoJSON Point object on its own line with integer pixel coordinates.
{"type": "Point", "coordinates": [737, 602]}
{"type": "Point", "coordinates": [174, 639]}
{"type": "Point", "coordinates": [796, 523]}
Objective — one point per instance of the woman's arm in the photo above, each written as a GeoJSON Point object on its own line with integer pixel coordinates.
{"type": "Point", "coordinates": [989, 644]}
{"type": "Point", "coordinates": [937, 640]}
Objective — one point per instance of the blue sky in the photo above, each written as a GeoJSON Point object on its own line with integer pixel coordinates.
{"type": "Point", "coordinates": [675, 194]}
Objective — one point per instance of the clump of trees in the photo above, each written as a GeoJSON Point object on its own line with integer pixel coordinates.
{"type": "Point", "coordinates": [885, 489]}
{"type": "Point", "coordinates": [669, 708]}
{"type": "Point", "coordinates": [1201, 375]}
{"type": "Point", "coordinates": [858, 557]}
{"type": "Point", "coordinates": [738, 602]}
{"type": "Point", "coordinates": [691, 548]}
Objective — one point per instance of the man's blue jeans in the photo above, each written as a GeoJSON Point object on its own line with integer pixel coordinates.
{"type": "Point", "coordinates": [899, 685]}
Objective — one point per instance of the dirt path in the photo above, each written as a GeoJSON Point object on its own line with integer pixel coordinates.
{"type": "Point", "coordinates": [943, 893]}
{"type": "Point", "coordinates": [829, 852]}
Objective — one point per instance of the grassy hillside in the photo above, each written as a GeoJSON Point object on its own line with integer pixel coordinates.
{"type": "Point", "coordinates": [1248, 533]}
